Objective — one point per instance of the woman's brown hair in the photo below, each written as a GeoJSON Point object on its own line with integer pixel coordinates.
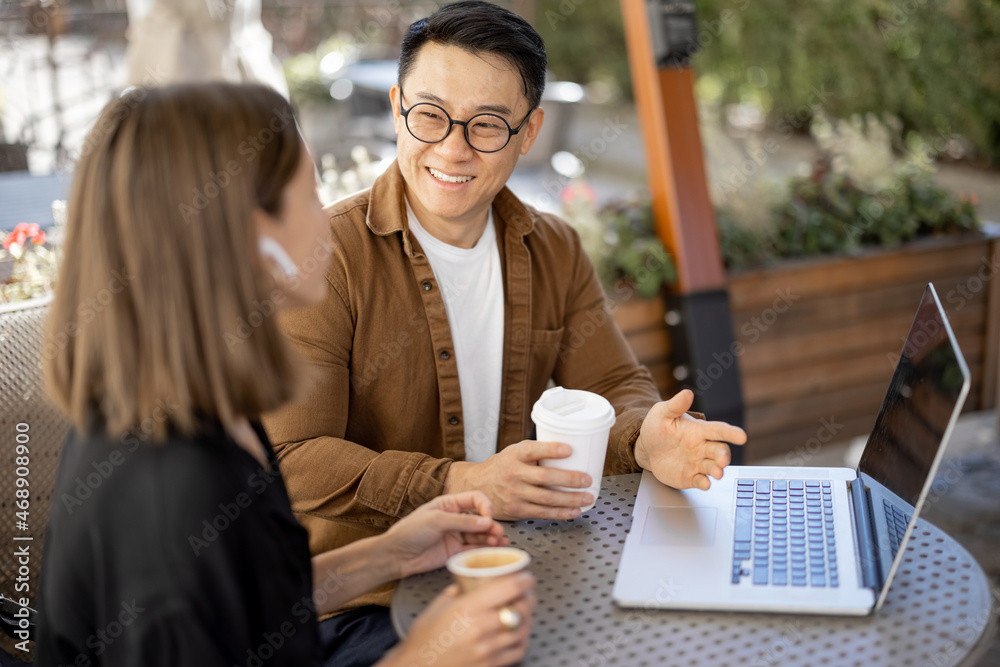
{"type": "Point", "coordinates": [164, 313]}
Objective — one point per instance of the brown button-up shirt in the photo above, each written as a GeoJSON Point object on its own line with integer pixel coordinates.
{"type": "Point", "coordinates": [374, 432]}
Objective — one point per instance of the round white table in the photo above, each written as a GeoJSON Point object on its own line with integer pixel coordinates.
{"type": "Point", "coordinates": [939, 612]}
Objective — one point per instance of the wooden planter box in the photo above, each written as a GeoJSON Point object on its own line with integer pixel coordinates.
{"type": "Point", "coordinates": [831, 352]}
{"type": "Point", "coordinates": [642, 322]}
{"type": "Point", "coordinates": [820, 336]}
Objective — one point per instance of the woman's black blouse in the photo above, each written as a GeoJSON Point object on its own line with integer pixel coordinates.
{"type": "Point", "coordinates": [183, 553]}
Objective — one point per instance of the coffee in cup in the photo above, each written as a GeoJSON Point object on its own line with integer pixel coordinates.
{"type": "Point", "coordinates": [581, 419]}
{"type": "Point", "coordinates": [477, 567]}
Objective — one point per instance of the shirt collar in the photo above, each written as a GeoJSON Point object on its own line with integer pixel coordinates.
{"type": "Point", "coordinates": [425, 238]}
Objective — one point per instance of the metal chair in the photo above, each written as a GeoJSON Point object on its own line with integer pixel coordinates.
{"type": "Point", "coordinates": [25, 410]}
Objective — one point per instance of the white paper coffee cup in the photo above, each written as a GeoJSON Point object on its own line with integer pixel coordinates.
{"type": "Point", "coordinates": [582, 420]}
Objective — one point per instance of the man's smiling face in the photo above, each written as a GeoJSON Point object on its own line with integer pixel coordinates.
{"type": "Point", "coordinates": [449, 184]}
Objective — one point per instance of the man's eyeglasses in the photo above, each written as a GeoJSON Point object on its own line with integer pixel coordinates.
{"type": "Point", "coordinates": [485, 132]}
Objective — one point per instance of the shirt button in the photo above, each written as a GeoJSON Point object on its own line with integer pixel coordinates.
{"type": "Point", "coordinates": [426, 285]}
{"type": "Point", "coordinates": [453, 421]}
{"type": "Point", "coordinates": [445, 355]}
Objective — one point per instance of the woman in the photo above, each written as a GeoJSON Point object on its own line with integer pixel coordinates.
{"type": "Point", "coordinates": [194, 217]}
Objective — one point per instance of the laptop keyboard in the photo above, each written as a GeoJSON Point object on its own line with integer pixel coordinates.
{"type": "Point", "coordinates": [784, 533]}
{"type": "Point", "coordinates": [897, 522]}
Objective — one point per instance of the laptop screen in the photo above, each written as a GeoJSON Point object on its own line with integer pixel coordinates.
{"type": "Point", "coordinates": [928, 382]}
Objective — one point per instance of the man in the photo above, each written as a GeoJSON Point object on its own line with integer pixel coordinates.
{"type": "Point", "coordinates": [453, 305]}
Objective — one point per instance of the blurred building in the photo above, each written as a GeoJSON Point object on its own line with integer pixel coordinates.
{"type": "Point", "coordinates": [200, 40]}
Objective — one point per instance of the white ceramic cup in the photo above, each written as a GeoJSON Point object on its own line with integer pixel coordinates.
{"type": "Point", "coordinates": [582, 420]}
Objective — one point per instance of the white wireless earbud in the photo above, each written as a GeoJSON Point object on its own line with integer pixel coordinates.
{"type": "Point", "coordinates": [271, 248]}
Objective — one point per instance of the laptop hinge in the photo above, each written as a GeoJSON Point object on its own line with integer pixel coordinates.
{"type": "Point", "coordinates": [863, 527]}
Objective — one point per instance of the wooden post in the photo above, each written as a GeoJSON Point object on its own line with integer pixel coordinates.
{"type": "Point", "coordinates": [703, 351]}
{"type": "Point", "coordinates": [668, 115]}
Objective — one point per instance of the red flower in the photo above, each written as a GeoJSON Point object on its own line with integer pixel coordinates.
{"type": "Point", "coordinates": [22, 234]}
{"type": "Point", "coordinates": [578, 190]}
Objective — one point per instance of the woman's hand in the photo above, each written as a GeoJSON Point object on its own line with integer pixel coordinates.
{"type": "Point", "coordinates": [437, 530]}
{"type": "Point", "coordinates": [422, 541]}
{"type": "Point", "coordinates": [465, 630]}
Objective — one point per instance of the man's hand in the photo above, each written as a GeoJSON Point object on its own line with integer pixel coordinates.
{"type": "Point", "coordinates": [515, 483]}
{"type": "Point", "coordinates": [683, 451]}
{"type": "Point", "coordinates": [438, 530]}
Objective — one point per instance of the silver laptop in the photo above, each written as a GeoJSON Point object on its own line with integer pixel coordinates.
{"type": "Point", "coordinates": [805, 540]}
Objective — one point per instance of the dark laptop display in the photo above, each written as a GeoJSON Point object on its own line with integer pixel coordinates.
{"type": "Point", "coordinates": [905, 443]}
{"type": "Point", "coordinates": [917, 408]}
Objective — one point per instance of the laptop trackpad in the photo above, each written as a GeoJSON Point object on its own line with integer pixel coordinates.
{"type": "Point", "coordinates": [680, 527]}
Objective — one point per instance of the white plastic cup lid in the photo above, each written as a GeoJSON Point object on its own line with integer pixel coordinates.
{"type": "Point", "coordinates": [573, 411]}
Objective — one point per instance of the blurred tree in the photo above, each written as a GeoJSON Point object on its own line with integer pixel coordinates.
{"type": "Point", "coordinates": [585, 41]}
{"type": "Point", "coordinates": [934, 65]}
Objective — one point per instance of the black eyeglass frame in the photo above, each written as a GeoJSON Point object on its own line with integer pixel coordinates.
{"type": "Point", "coordinates": [464, 123]}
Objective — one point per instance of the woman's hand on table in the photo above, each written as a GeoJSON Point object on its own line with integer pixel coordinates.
{"type": "Point", "coordinates": [466, 630]}
{"type": "Point", "coordinates": [439, 529]}
{"type": "Point", "coordinates": [681, 451]}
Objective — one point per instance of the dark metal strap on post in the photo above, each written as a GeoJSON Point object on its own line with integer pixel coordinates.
{"type": "Point", "coordinates": [705, 355]}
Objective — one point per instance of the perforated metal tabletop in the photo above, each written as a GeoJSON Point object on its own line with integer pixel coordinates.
{"type": "Point", "coordinates": [938, 613]}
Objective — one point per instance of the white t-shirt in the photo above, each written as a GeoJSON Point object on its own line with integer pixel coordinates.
{"type": "Point", "coordinates": [471, 282]}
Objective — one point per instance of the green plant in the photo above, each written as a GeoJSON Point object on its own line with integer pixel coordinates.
{"type": "Point", "coordinates": [621, 240]}
{"type": "Point", "coordinates": [828, 213]}
{"type": "Point", "coordinates": [741, 246]}
{"type": "Point", "coordinates": [866, 189]}
{"type": "Point", "coordinates": [637, 256]}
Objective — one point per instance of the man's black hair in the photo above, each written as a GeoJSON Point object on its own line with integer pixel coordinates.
{"type": "Point", "coordinates": [481, 27]}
